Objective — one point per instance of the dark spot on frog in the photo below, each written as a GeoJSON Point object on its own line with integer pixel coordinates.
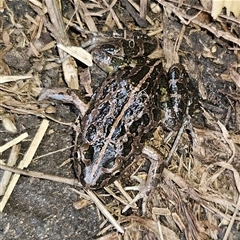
{"type": "Point", "coordinates": [103, 109]}
{"type": "Point", "coordinates": [107, 89]}
{"type": "Point", "coordinates": [149, 47]}
{"type": "Point", "coordinates": [108, 125]}
{"type": "Point", "coordinates": [120, 131]}
{"type": "Point", "coordinates": [127, 147]}
{"type": "Point", "coordinates": [140, 123]}
{"type": "Point", "coordinates": [109, 156]}
{"type": "Point", "coordinates": [91, 133]}
{"type": "Point", "coordinates": [93, 150]}
{"type": "Point", "coordinates": [138, 74]}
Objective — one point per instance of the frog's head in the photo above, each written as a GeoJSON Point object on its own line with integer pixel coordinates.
{"type": "Point", "coordinates": [99, 167]}
{"type": "Point", "coordinates": [108, 61]}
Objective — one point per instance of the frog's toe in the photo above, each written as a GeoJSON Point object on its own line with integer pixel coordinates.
{"type": "Point", "coordinates": [143, 193]}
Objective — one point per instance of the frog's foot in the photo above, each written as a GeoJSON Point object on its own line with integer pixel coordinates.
{"type": "Point", "coordinates": [144, 190]}
{"type": "Point", "coordinates": [65, 95]}
{"type": "Point", "coordinates": [153, 176]}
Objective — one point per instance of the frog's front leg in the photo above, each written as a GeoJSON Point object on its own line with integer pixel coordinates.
{"type": "Point", "coordinates": [153, 177]}
{"type": "Point", "coordinates": [65, 95]}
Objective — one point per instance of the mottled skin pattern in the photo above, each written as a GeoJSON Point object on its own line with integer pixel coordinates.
{"type": "Point", "coordinates": [123, 111]}
{"type": "Point", "coordinates": [127, 107]}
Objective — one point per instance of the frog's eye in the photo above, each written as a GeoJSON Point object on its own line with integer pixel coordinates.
{"type": "Point", "coordinates": [77, 155]}
{"type": "Point", "coordinates": [131, 43]}
{"type": "Point", "coordinates": [110, 49]}
{"type": "Point", "coordinates": [116, 174]}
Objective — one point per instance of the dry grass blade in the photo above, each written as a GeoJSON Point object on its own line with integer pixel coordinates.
{"type": "Point", "coordinates": [36, 3]}
{"type": "Point", "coordinates": [237, 182]}
{"type": "Point", "coordinates": [235, 173]}
{"type": "Point", "coordinates": [114, 16]}
{"type": "Point", "coordinates": [232, 220]}
{"type": "Point", "coordinates": [232, 147]}
{"type": "Point", "coordinates": [143, 8]}
{"type": "Point", "coordinates": [120, 199]}
{"type": "Point", "coordinates": [86, 15]}
{"type": "Point", "coordinates": [13, 142]}
{"type": "Point", "coordinates": [8, 124]}
{"type": "Point", "coordinates": [138, 9]}
{"type": "Point", "coordinates": [230, 5]}
{"type": "Point", "coordinates": [123, 192]}
{"type": "Point", "coordinates": [148, 226]}
{"type": "Point", "coordinates": [228, 140]}
{"type": "Point", "coordinates": [110, 236]}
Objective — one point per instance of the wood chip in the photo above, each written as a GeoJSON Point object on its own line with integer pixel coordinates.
{"type": "Point", "coordinates": [5, 79]}
{"type": "Point", "coordinates": [78, 53]}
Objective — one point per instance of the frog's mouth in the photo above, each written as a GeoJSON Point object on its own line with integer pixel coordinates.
{"type": "Point", "coordinates": [102, 176]}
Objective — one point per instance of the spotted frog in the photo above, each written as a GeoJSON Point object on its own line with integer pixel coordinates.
{"type": "Point", "coordinates": [125, 110]}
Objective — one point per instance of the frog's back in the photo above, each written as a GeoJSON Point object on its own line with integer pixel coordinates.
{"type": "Point", "coordinates": [124, 110]}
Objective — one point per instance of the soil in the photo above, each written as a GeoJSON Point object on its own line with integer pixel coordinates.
{"type": "Point", "coordinates": [41, 209]}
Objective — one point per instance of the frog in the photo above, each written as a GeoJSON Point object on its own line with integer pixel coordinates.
{"type": "Point", "coordinates": [124, 111]}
